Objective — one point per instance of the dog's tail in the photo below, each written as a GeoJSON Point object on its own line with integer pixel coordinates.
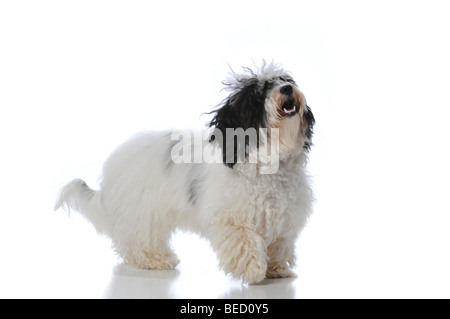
{"type": "Point", "coordinates": [77, 195]}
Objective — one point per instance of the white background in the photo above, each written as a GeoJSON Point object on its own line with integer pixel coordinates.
{"type": "Point", "coordinates": [77, 78]}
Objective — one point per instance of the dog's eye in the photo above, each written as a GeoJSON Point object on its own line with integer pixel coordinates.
{"type": "Point", "coordinates": [290, 80]}
{"type": "Point", "coordinates": [286, 79]}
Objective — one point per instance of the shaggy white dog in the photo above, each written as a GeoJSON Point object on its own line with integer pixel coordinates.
{"type": "Point", "coordinates": [251, 205]}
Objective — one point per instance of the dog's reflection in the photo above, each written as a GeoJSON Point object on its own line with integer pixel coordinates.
{"type": "Point", "coordinates": [129, 283]}
{"type": "Point", "coordinates": [282, 288]}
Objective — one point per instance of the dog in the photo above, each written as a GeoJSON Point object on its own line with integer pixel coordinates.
{"type": "Point", "coordinates": [251, 209]}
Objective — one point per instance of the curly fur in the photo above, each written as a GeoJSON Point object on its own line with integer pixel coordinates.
{"type": "Point", "coordinates": [251, 219]}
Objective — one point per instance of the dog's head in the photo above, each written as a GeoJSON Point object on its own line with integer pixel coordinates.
{"type": "Point", "coordinates": [267, 98]}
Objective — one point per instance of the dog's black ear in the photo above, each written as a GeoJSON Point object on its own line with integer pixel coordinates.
{"type": "Point", "coordinates": [310, 121]}
{"type": "Point", "coordinates": [243, 109]}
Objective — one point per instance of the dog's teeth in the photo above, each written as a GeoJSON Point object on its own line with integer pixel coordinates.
{"type": "Point", "coordinates": [290, 110]}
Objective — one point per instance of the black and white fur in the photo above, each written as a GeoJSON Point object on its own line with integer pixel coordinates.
{"type": "Point", "coordinates": [251, 219]}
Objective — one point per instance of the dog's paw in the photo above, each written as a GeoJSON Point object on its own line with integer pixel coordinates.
{"type": "Point", "coordinates": [156, 265]}
{"type": "Point", "coordinates": [161, 265]}
{"type": "Point", "coordinates": [255, 271]}
{"type": "Point", "coordinates": [279, 270]}
{"type": "Point", "coordinates": [157, 262]}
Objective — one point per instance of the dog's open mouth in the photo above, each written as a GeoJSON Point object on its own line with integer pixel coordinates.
{"type": "Point", "coordinates": [289, 109]}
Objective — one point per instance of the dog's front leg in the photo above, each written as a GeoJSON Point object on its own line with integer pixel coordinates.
{"type": "Point", "coordinates": [240, 250]}
{"type": "Point", "coordinates": [281, 258]}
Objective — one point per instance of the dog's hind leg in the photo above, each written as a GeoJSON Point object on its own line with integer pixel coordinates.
{"type": "Point", "coordinates": [157, 257]}
{"type": "Point", "coordinates": [149, 250]}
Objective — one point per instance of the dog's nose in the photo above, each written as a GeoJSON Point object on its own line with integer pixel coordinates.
{"type": "Point", "coordinates": [286, 90]}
